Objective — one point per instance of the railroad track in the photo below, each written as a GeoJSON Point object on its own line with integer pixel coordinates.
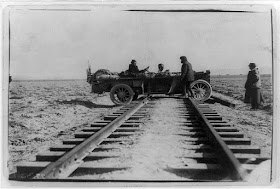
{"type": "Point", "coordinates": [193, 144]}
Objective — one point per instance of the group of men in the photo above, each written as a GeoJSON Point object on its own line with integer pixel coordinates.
{"type": "Point", "coordinates": [187, 75]}
{"type": "Point", "coordinates": [253, 84]}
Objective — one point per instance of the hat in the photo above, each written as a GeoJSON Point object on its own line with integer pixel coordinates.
{"type": "Point", "coordinates": [252, 65]}
{"type": "Point", "coordinates": [132, 61]}
{"type": "Point", "coordinates": [183, 58]}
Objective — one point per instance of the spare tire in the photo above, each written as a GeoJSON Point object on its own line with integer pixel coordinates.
{"type": "Point", "coordinates": [101, 72]}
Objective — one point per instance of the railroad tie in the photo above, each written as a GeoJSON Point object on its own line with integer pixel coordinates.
{"type": "Point", "coordinates": [54, 156]}
{"type": "Point", "coordinates": [84, 168]}
{"type": "Point", "coordinates": [127, 124]}
{"type": "Point", "coordinates": [113, 135]}
{"type": "Point", "coordinates": [120, 129]}
{"type": "Point", "coordinates": [64, 148]}
{"type": "Point", "coordinates": [112, 117]}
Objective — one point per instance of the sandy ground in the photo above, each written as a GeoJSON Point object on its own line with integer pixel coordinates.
{"type": "Point", "coordinates": [154, 149]}
{"type": "Point", "coordinates": [41, 114]}
{"type": "Point", "coordinates": [256, 124]}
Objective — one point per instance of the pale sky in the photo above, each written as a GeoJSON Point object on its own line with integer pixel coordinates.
{"type": "Point", "coordinates": [53, 44]}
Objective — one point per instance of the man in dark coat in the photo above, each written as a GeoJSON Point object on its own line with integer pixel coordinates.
{"type": "Point", "coordinates": [253, 86]}
{"type": "Point", "coordinates": [133, 68]}
{"type": "Point", "coordinates": [187, 76]}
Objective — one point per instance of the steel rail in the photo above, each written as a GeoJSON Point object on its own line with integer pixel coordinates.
{"type": "Point", "coordinates": [71, 160]}
{"type": "Point", "coordinates": [228, 158]}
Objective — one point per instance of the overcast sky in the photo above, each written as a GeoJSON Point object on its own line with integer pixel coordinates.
{"type": "Point", "coordinates": [52, 44]}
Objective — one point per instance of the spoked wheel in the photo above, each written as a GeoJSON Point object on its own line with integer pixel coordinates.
{"type": "Point", "coordinates": [121, 94]}
{"type": "Point", "coordinates": [202, 90]}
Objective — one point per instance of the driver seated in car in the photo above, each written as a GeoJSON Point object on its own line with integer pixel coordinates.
{"type": "Point", "coordinates": [133, 68]}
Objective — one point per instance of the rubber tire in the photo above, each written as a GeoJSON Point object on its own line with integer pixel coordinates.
{"type": "Point", "coordinates": [198, 85]}
{"type": "Point", "coordinates": [100, 72]}
{"type": "Point", "coordinates": [118, 101]}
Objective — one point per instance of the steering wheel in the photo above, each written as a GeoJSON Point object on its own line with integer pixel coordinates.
{"type": "Point", "coordinates": [146, 69]}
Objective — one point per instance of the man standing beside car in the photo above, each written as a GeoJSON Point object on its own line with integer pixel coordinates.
{"type": "Point", "coordinates": [187, 76]}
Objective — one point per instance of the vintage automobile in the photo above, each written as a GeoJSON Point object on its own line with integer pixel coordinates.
{"type": "Point", "coordinates": [125, 87]}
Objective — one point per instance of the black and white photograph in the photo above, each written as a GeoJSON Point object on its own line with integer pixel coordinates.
{"type": "Point", "coordinates": [139, 93]}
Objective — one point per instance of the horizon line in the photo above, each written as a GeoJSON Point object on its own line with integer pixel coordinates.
{"type": "Point", "coordinates": [86, 79]}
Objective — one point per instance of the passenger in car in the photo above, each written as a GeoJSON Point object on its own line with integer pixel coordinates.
{"type": "Point", "coordinates": [160, 70]}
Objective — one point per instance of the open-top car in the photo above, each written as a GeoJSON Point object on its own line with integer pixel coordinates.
{"type": "Point", "coordinates": [125, 87]}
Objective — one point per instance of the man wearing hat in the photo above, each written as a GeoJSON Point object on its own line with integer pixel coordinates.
{"type": "Point", "coordinates": [133, 68]}
{"type": "Point", "coordinates": [253, 86]}
{"type": "Point", "coordinates": [187, 76]}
